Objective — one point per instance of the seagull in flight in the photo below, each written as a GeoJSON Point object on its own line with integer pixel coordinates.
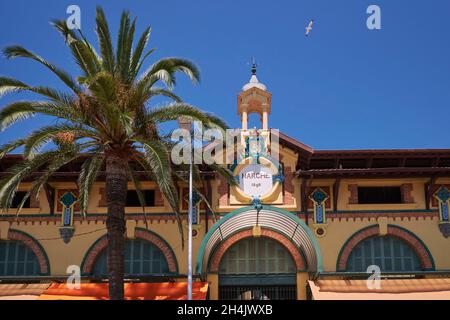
{"type": "Point", "coordinates": [309, 27]}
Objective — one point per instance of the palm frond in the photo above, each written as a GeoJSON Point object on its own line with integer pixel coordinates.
{"type": "Point", "coordinates": [17, 173]}
{"type": "Point", "coordinates": [15, 112]}
{"type": "Point", "coordinates": [140, 64]}
{"type": "Point", "coordinates": [64, 158]}
{"type": "Point", "coordinates": [82, 51]}
{"type": "Point", "coordinates": [176, 110]}
{"type": "Point", "coordinates": [18, 51]}
{"type": "Point", "coordinates": [124, 27]}
{"type": "Point", "coordinates": [155, 159]}
{"type": "Point", "coordinates": [44, 135]}
{"type": "Point", "coordinates": [103, 86]}
{"type": "Point", "coordinates": [10, 85]}
{"type": "Point", "coordinates": [8, 147]}
{"type": "Point", "coordinates": [127, 53]}
{"type": "Point", "coordinates": [125, 46]}
{"type": "Point", "coordinates": [137, 54]}
{"type": "Point", "coordinates": [88, 175]}
{"type": "Point", "coordinates": [104, 40]}
{"type": "Point", "coordinates": [165, 69]}
{"type": "Point", "coordinates": [137, 185]}
{"type": "Point", "coordinates": [23, 110]}
{"type": "Point", "coordinates": [154, 92]}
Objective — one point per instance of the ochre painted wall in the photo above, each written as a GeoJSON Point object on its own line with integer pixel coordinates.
{"type": "Point", "coordinates": [38, 223]}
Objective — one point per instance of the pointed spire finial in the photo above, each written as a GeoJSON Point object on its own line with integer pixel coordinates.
{"type": "Point", "coordinates": [254, 65]}
{"type": "Point", "coordinates": [253, 80]}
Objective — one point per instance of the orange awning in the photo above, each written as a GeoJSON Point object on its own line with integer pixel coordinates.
{"type": "Point", "coordinates": [133, 291]}
{"type": "Point", "coordinates": [22, 291]}
{"type": "Point", "coordinates": [390, 289]}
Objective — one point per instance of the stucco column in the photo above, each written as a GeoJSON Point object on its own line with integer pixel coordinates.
{"type": "Point", "coordinates": [244, 120]}
{"type": "Point", "coordinates": [213, 279]}
{"type": "Point", "coordinates": [302, 281]}
{"type": "Point", "coordinates": [265, 120]}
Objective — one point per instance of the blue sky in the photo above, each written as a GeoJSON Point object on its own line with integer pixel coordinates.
{"type": "Point", "coordinates": [344, 87]}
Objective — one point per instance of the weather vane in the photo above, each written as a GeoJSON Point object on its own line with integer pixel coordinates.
{"type": "Point", "coordinates": [254, 64]}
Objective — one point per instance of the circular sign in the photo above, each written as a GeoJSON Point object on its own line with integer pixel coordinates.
{"type": "Point", "coordinates": [255, 180]}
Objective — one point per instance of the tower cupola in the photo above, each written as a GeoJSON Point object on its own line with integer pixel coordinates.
{"type": "Point", "coordinates": [254, 98]}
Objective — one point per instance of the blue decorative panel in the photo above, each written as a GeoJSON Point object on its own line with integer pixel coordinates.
{"type": "Point", "coordinates": [196, 199]}
{"type": "Point", "coordinates": [67, 216]}
{"type": "Point", "coordinates": [68, 199]}
{"type": "Point", "coordinates": [444, 210]}
{"type": "Point", "coordinates": [319, 213]}
{"type": "Point", "coordinates": [443, 194]}
{"type": "Point", "coordinates": [195, 215]}
{"type": "Point", "coordinates": [319, 196]}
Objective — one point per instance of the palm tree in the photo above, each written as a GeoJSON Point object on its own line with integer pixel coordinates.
{"type": "Point", "coordinates": [104, 114]}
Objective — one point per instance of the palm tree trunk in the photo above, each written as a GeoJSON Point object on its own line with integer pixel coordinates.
{"type": "Point", "coordinates": [116, 193]}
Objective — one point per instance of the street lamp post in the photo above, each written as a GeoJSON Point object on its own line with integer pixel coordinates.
{"type": "Point", "coordinates": [190, 231]}
{"type": "Point", "coordinates": [187, 125]}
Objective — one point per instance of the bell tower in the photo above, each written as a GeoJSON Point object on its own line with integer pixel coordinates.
{"type": "Point", "coordinates": [254, 98]}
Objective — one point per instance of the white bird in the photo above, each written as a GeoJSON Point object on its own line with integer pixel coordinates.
{"type": "Point", "coordinates": [309, 27]}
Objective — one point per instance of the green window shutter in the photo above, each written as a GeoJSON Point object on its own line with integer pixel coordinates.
{"type": "Point", "coordinates": [141, 258]}
{"type": "Point", "coordinates": [16, 259]}
{"type": "Point", "coordinates": [389, 253]}
{"type": "Point", "coordinates": [257, 256]}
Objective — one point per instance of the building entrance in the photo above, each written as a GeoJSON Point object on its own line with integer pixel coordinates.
{"type": "Point", "coordinates": [257, 269]}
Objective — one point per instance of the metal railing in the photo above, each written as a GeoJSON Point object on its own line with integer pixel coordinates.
{"type": "Point", "coordinates": [258, 292]}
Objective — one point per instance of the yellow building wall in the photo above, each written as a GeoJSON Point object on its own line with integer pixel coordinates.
{"type": "Point", "coordinates": [62, 255]}
{"type": "Point", "coordinates": [424, 228]}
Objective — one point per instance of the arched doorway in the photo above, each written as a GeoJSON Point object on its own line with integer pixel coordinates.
{"type": "Point", "coordinates": [281, 223]}
{"type": "Point", "coordinates": [274, 223]}
{"type": "Point", "coordinates": [257, 269]}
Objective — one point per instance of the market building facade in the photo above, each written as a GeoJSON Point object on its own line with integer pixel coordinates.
{"type": "Point", "coordinates": [291, 226]}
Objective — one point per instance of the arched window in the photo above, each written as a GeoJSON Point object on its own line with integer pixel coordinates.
{"type": "Point", "coordinates": [16, 259]}
{"type": "Point", "coordinates": [141, 257]}
{"type": "Point", "coordinates": [389, 253]}
{"type": "Point", "coordinates": [257, 256]}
